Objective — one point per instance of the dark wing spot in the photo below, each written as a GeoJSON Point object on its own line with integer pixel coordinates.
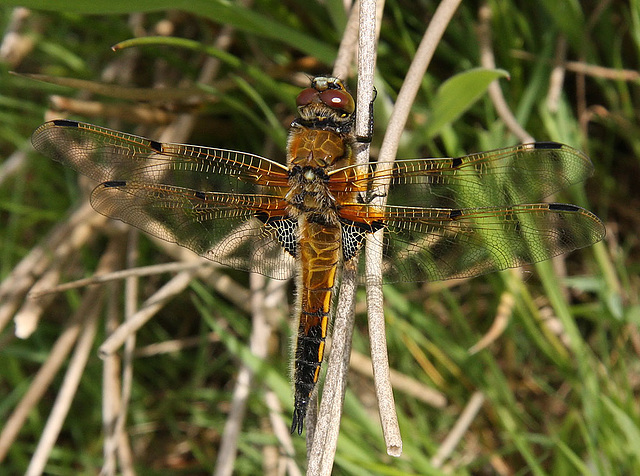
{"type": "Point", "coordinates": [65, 123]}
{"type": "Point", "coordinates": [155, 145]}
{"type": "Point", "coordinates": [200, 195]}
{"type": "Point", "coordinates": [115, 183]}
{"type": "Point", "coordinates": [547, 145]}
{"type": "Point", "coordinates": [457, 162]}
{"type": "Point", "coordinates": [563, 207]}
{"type": "Point", "coordinates": [455, 214]}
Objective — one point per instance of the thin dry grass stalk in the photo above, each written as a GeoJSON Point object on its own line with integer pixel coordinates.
{"type": "Point", "coordinates": [89, 312]}
{"type": "Point", "coordinates": [57, 245]}
{"type": "Point", "coordinates": [459, 429]}
{"type": "Point", "coordinates": [495, 92]}
{"type": "Point", "coordinates": [373, 263]}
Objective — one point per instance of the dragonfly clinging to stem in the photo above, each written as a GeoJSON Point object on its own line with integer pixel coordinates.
{"type": "Point", "coordinates": [445, 218]}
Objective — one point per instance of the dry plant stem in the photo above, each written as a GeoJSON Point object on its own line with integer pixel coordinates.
{"type": "Point", "coordinates": [495, 92]}
{"type": "Point", "coordinates": [507, 300]}
{"type": "Point", "coordinates": [68, 389]}
{"type": "Point", "coordinates": [400, 382]}
{"type": "Point", "coordinates": [28, 316]}
{"type": "Point", "coordinates": [111, 385]}
{"type": "Point", "coordinates": [322, 438]}
{"type": "Point", "coordinates": [89, 309]}
{"type": "Point", "coordinates": [349, 44]}
{"type": "Point", "coordinates": [125, 455]}
{"type": "Point", "coordinates": [16, 285]}
{"type": "Point", "coordinates": [151, 270]}
{"type": "Point", "coordinates": [373, 263]}
{"type": "Point", "coordinates": [140, 114]}
{"type": "Point", "coordinates": [150, 307]}
{"type": "Point", "coordinates": [40, 383]}
{"type": "Point", "coordinates": [260, 334]}
{"type": "Point", "coordinates": [173, 346]}
{"type": "Point", "coordinates": [459, 429]}
{"type": "Point", "coordinates": [580, 67]}
{"type": "Point", "coordinates": [281, 432]}
{"type": "Point", "coordinates": [499, 324]}
{"type": "Point", "coordinates": [158, 95]}
{"type": "Point", "coordinates": [111, 389]}
{"type": "Point", "coordinates": [556, 80]}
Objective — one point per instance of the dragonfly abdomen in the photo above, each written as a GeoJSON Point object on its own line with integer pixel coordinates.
{"type": "Point", "coordinates": [320, 254]}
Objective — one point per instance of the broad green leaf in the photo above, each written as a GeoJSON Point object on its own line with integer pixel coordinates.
{"type": "Point", "coordinates": [458, 94]}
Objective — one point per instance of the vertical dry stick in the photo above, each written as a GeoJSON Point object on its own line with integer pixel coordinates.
{"type": "Point", "coordinates": [111, 388]}
{"type": "Point", "coordinates": [373, 264]}
{"type": "Point", "coordinates": [125, 456]}
{"type": "Point", "coordinates": [322, 451]}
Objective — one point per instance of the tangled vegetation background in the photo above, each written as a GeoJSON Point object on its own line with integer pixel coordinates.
{"type": "Point", "coordinates": [548, 358]}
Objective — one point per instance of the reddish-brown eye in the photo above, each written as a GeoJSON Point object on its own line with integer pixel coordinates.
{"type": "Point", "coordinates": [337, 99]}
{"type": "Point", "coordinates": [306, 96]}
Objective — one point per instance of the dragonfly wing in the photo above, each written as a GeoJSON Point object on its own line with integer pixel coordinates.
{"type": "Point", "coordinates": [525, 173]}
{"type": "Point", "coordinates": [435, 244]}
{"type": "Point", "coordinates": [218, 226]}
{"type": "Point", "coordinates": [107, 155]}
{"type": "Point", "coordinates": [199, 197]}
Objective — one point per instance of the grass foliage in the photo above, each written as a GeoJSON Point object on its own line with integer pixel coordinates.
{"type": "Point", "coordinates": [560, 381]}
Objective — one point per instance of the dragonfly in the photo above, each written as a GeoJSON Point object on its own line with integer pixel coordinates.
{"type": "Point", "coordinates": [443, 218]}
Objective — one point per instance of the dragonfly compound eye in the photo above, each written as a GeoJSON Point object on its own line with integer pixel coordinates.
{"type": "Point", "coordinates": [337, 99]}
{"type": "Point", "coordinates": [306, 97]}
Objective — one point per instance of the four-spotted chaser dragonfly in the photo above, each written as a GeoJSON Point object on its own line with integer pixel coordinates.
{"type": "Point", "coordinates": [446, 218]}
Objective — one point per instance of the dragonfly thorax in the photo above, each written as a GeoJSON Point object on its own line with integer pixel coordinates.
{"type": "Point", "coordinates": [309, 193]}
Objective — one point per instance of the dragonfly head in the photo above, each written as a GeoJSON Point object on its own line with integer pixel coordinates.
{"type": "Point", "coordinates": [327, 101]}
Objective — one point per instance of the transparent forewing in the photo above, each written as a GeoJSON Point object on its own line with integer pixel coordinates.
{"type": "Point", "coordinates": [434, 244]}
{"type": "Point", "coordinates": [107, 155]}
{"type": "Point", "coordinates": [221, 227]}
{"type": "Point", "coordinates": [522, 174]}
{"type": "Point", "coordinates": [202, 198]}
